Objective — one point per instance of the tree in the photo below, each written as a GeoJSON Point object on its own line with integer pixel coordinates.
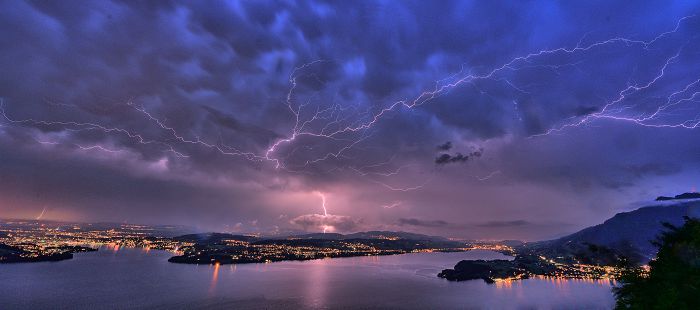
{"type": "Point", "coordinates": [673, 281]}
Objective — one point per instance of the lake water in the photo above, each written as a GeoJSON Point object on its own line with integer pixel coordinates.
{"type": "Point", "coordinates": [137, 278]}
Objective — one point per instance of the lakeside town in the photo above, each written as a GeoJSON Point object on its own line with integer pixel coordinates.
{"type": "Point", "coordinates": [33, 241]}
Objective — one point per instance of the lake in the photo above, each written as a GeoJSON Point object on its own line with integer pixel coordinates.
{"type": "Point", "coordinates": [129, 278]}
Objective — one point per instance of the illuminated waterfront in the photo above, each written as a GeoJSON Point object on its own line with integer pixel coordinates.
{"type": "Point", "coordinates": [47, 234]}
{"type": "Point", "coordinates": [32, 241]}
{"type": "Point", "coordinates": [119, 277]}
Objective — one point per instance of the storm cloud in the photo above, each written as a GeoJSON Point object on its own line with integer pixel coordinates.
{"type": "Point", "coordinates": [320, 222]}
{"type": "Point", "coordinates": [237, 112]}
{"type": "Point", "coordinates": [446, 158]}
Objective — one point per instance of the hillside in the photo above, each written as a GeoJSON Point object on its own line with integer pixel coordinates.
{"type": "Point", "coordinates": [627, 234]}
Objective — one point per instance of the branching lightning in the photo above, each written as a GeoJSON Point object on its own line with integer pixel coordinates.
{"type": "Point", "coordinates": [614, 110]}
{"type": "Point", "coordinates": [336, 129]}
{"type": "Point", "coordinates": [86, 126]}
{"type": "Point", "coordinates": [518, 63]}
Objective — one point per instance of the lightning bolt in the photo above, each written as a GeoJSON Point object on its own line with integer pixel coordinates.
{"type": "Point", "coordinates": [443, 86]}
{"type": "Point", "coordinates": [97, 147]}
{"type": "Point", "coordinates": [344, 127]}
{"type": "Point", "coordinates": [197, 141]}
{"type": "Point", "coordinates": [86, 126]}
{"type": "Point", "coordinates": [392, 205]}
{"type": "Point", "coordinates": [41, 214]}
{"type": "Point", "coordinates": [610, 112]}
{"type": "Point", "coordinates": [325, 211]}
{"type": "Point", "coordinates": [403, 189]}
{"type": "Point", "coordinates": [490, 175]}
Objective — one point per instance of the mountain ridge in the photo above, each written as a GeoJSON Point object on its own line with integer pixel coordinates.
{"type": "Point", "coordinates": [627, 234]}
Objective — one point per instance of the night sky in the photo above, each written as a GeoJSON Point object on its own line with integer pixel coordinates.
{"type": "Point", "coordinates": [475, 119]}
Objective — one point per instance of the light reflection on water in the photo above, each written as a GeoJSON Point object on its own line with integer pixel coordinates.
{"type": "Point", "coordinates": [214, 277]}
{"type": "Point", "coordinates": [117, 277]}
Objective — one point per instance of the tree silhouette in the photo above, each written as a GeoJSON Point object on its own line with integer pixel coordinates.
{"type": "Point", "coordinates": [673, 281]}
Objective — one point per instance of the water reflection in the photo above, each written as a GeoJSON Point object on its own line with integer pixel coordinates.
{"type": "Point", "coordinates": [315, 282]}
{"type": "Point", "coordinates": [214, 278]}
{"type": "Point", "coordinates": [117, 277]}
{"type": "Point", "coordinates": [561, 281]}
{"type": "Point", "coordinates": [112, 247]}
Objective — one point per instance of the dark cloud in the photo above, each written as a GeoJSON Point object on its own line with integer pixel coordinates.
{"type": "Point", "coordinates": [422, 223]}
{"type": "Point", "coordinates": [230, 122]}
{"type": "Point", "coordinates": [653, 168]}
{"type": "Point", "coordinates": [445, 158]}
{"type": "Point", "coordinates": [171, 107]}
{"type": "Point", "coordinates": [445, 146]}
{"type": "Point", "coordinates": [320, 222]}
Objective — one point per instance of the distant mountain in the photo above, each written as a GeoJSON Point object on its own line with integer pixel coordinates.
{"type": "Point", "coordinates": [318, 236]}
{"type": "Point", "coordinates": [150, 230]}
{"type": "Point", "coordinates": [216, 248]}
{"type": "Point", "coordinates": [366, 235]}
{"type": "Point", "coordinates": [683, 196]}
{"type": "Point", "coordinates": [628, 234]}
{"type": "Point", "coordinates": [210, 238]}
{"type": "Point", "coordinates": [394, 234]}
{"type": "Point", "coordinates": [511, 243]}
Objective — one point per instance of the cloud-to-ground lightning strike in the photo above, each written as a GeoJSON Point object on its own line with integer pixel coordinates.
{"type": "Point", "coordinates": [346, 127]}
{"type": "Point", "coordinates": [41, 215]}
{"type": "Point", "coordinates": [259, 134]}
{"type": "Point", "coordinates": [325, 211]}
